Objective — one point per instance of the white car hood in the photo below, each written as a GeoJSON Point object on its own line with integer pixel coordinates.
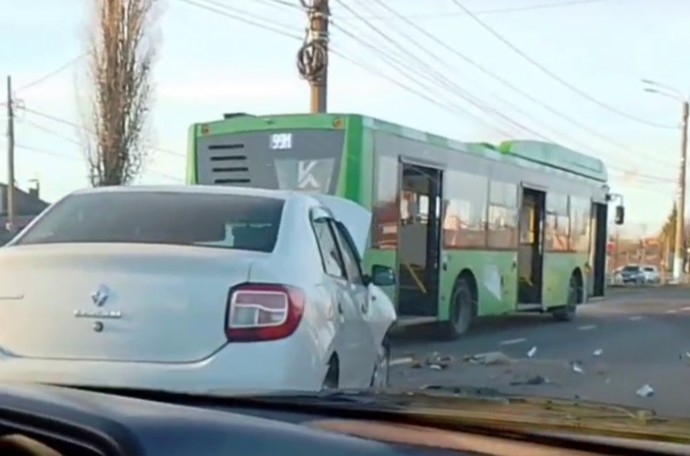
{"type": "Point", "coordinates": [356, 219]}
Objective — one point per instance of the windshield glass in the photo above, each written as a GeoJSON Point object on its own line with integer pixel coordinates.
{"type": "Point", "coordinates": [527, 226]}
{"type": "Point", "coordinates": [223, 221]}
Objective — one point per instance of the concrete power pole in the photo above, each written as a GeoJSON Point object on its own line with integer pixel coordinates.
{"type": "Point", "coordinates": [11, 209]}
{"type": "Point", "coordinates": [312, 58]}
{"type": "Point", "coordinates": [679, 244]}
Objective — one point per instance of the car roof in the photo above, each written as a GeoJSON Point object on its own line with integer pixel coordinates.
{"type": "Point", "coordinates": [197, 189]}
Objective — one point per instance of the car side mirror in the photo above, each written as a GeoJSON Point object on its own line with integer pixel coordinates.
{"type": "Point", "coordinates": [620, 215]}
{"type": "Point", "coordinates": [382, 276]}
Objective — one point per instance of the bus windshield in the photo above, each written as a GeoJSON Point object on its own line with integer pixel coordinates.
{"type": "Point", "coordinates": [307, 160]}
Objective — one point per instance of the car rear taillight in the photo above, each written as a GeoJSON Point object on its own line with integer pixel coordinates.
{"type": "Point", "coordinates": [262, 312]}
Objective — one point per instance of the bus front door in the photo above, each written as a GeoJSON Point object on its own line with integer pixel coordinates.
{"type": "Point", "coordinates": [596, 282]}
{"type": "Point", "coordinates": [419, 239]}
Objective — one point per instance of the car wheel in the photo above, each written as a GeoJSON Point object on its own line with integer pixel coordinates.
{"type": "Point", "coordinates": [462, 312]}
{"type": "Point", "coordinates": [381, 374]}
{"type": "Point", "coordinates": [575, 293]}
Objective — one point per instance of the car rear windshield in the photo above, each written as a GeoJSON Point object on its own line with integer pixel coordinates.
{"type": "Point", "coordinates": [631, 269]}
{"type": "Point", "coordinates": [210, 220]}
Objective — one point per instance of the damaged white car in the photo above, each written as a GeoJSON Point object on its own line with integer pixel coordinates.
{"type": "Point", "coordinates": [195, 289]}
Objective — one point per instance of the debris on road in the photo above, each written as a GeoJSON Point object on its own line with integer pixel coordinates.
{"type": "Point", "coordinates": [531, 381]}
{"type": "Point", "coordinates": [532, 351]}
{"type": "Point", "coordinates": [577, 368]}
{"type": "Point", "coordinates": [645, 391]}
{"type": "Point", "coordinates": [598, 352]}
{"type": "Point", "coordinates": [433, 362]}
{"type": "Point", "coordinates": [489, 359]}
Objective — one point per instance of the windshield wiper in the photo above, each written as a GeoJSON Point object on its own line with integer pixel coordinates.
{"type": "Point", "coordinates": [336, 398]}
{"type": "Point", "coordinates": [429, 399]}
{"type": "Point", "coordinates": [474, 392]}
{"type": "Point", "coordinates": [356, 399]}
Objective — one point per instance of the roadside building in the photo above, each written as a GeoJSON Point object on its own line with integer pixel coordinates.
{"type": "Point", "coordinates": [28, 203]}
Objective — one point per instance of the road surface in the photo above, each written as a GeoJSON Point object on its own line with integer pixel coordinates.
{"type": "Point", "coordinates": [632, 339]}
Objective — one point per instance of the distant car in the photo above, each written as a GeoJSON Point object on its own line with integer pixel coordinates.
{"type": "Point", "coordinates": [631, 273]}
{"type": "Point", "coordinates": [195, 289]}
{"type": "Point", "coordinates": [651, 274]}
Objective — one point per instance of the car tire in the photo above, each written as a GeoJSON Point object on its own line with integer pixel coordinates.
{"type": "Point", "coordinates": [381, 373]}
{"type": "Point", "coordinates": [575, 294]}
{"type": "Point", "coordinates": [463, 310]}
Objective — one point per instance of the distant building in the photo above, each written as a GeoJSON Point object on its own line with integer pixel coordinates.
{"type": "Point", "coordinates": [28, 204]}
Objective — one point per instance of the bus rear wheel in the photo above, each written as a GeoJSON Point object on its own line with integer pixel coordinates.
{"type": "Point", "coordinates": [463, 310]}
{"type": "Point", "coordinates": [575, 294]}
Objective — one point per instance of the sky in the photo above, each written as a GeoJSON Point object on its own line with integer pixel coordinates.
{"type": "Point", "coordinates": [569, 71]}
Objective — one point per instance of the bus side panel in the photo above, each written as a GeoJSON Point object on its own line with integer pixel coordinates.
{"type": "Point", "coordinates": [381, 171]}
{"type": "Point", "coordinates": [366, 168]}
{"type": "Point", "coordinates": [492, 270]}
{"type": "Point", "coordinates": [355, 176]}
{"type": "Point", "coordinates": [558, 268]}
{"type": "Point", "coordinates": [192, 174]}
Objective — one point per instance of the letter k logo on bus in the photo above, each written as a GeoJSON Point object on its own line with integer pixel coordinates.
{"type": "Point", "coordinates": [305, 176]}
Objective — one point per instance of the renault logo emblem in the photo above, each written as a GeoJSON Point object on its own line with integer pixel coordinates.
{"type": "Point", "coordinates": [100, 296]}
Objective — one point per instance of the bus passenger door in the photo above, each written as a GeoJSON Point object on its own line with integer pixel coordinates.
{"type": "Point", "coordinates": [596, 281]}
{"type": "Point", "coordinates": [530, 257]}
{"type": "Point", "coordinates": [419, 240]}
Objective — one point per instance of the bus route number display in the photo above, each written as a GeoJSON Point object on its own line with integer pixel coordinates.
{"type": "Point", "coordinates": [281, 141]}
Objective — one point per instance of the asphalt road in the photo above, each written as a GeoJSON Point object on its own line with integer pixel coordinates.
{"type": "Point", "coordinates": [631, 339]}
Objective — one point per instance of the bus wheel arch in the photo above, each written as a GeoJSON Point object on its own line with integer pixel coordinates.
{"type": "Point", "coordinates": [575, 297]}
{"type": "Point", "coordinates": [463, 306]}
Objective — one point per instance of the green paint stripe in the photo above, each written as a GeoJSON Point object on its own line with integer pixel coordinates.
{"type": "Point", "coordinates": [534, 155]}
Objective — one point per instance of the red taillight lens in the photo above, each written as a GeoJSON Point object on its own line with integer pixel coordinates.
{"type": "Point", "coordinates": [261, 312]}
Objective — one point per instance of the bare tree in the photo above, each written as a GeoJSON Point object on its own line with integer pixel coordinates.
{"type": "Point", "coordinates": [121, 54]}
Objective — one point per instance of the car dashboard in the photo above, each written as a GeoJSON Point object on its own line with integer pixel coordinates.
{"type": "Point", "coordinates": [40, 420]}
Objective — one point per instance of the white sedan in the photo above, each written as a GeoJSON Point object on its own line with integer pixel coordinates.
{"type": "Point", "coordinates": [195, 289]}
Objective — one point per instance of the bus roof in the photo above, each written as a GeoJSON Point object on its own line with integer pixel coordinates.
{"type": "Point", "coordinates": [542, 153]}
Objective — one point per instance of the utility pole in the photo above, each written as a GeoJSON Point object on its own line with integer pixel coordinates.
{"type": "Point", "coordinates": [11, 209]}
{"type": "Point", "coordinates": [679, 247]}
{"type": "Point", "coordinates": [312, 57]}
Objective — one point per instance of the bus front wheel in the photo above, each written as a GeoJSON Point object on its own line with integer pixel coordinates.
{"type": "Point", "coordinates": [575, 297]}
{"type": "Point", "coordinates": [463, 309]}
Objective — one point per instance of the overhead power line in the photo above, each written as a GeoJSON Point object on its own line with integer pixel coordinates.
{"type": "Point", "coordinates": [553, 75]}
{"type": "Point", "coordinates": [77, 142]}
{"type": "Point", "coordinates": [257, 22]}
{"type": "Point", "coordinates": [425, 70]}
{"type": "Point", "coordinates": [443, 104]}
{"type": "Point", "coordinates": [516, 89]}
{"type": "Point", "coordinates": [52, 74]}
{"type": "Point", "coordinates": [76, 125]}
{"type": "Point", "coordinates": [236, 14]}
{"type": "Point", "coordinates": [512, 9]}
{"type": "Point", "coordinates": [385, 54]}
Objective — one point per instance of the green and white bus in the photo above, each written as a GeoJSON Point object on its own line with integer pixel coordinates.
{"type": "Point", "coordinates": [473, 229]}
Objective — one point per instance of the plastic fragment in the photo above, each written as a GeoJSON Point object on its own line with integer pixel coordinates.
{"type": "Point", "coordinates": [645, 391]}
